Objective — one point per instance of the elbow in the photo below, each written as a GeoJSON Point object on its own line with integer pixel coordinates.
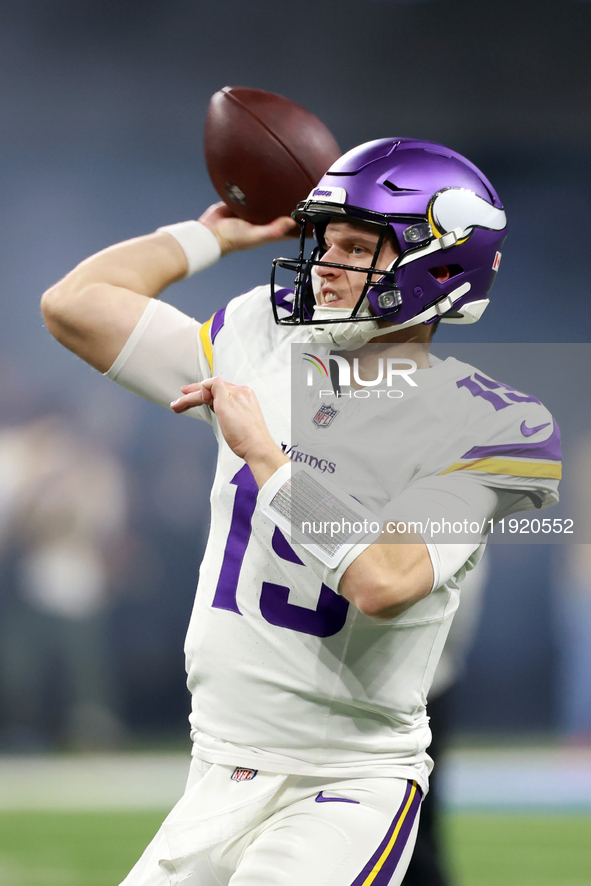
{"type": "Point", "coordinates": [386, 580]}
{"type": "Point", "coordinates": [50, 310]}
{"type": "Point", "coordinates": [376, 607]}
{"type": "Point", "coordinates": [65, 311]}
{"type": "Point", "coordinates": [386, 596]}
{"type": "Point", "coordinates": [382, 601]}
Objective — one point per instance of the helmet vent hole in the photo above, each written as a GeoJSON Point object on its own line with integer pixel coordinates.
{"type": "Point", "coordinates": [395, 188]}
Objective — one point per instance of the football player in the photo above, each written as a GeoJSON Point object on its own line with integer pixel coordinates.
{"type": "Point", "coordinates": [309, 662]}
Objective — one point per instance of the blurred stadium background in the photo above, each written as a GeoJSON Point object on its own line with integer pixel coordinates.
{"type": "Point", "coordinates": [104, 499]}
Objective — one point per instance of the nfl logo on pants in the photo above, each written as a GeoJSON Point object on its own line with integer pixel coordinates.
{"type": "Point", "coordinates": [241, 774]}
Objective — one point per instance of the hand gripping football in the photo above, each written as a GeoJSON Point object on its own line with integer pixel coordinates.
{"type": "Point", "coordinates": [264, 153]}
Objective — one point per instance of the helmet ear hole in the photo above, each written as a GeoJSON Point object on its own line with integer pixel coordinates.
{"type": "Point", "coordinates": [446, 272]}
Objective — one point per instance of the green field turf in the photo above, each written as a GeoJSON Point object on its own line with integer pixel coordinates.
{"type": "Point", "coordinates": [520, 850]}
{"type": "Point", "coordinates": [97, 848]}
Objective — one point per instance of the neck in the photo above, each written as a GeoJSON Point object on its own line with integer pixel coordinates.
{"type": "Point", "coordinates": [371, 360]}
{"type": "Point", "coordinates": [385, 347]}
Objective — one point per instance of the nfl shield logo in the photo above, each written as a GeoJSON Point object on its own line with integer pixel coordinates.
{"type": "Point", "coordinates": [324, 416]}
{"type": "Point", "coordinates": [241, 774]}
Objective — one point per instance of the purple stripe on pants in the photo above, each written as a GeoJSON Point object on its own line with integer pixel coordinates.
{"type": "Point", "coordinates": [389, 863]}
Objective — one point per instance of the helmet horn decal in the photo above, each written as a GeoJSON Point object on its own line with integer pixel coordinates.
{"type": "Point", "coordinates": [460, 208]}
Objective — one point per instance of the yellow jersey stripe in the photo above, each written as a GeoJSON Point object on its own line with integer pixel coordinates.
{"type": "Point", "coordinates": [383, 857]}
{"type": "Point", "coordinates": [513, 468]}
{"type": "Point", "coordinates": [204, 335]}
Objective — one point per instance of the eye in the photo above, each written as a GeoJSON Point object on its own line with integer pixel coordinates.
{"type": "Point", "coordinates": [358, 250]}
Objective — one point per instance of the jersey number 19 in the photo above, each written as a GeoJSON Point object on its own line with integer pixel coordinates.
{"type": "Point", "coordinates": [331, 612]}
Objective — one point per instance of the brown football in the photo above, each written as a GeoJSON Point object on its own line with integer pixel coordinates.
{"type": "Point", "coordinates": [264, 153]}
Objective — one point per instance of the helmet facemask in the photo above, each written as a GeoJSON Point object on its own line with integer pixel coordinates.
{"type": "Point", "coordinates": [336, 325]}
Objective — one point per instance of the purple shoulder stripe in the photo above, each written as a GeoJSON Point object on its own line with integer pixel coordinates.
{"type": "Point", "coordinates": [549, 448]}
{"type": "Point", "coordinates": [217, 323]}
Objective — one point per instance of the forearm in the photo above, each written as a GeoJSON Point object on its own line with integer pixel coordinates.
{"type": "Point", "coordinates": [94, 308]}
{"type": "Point", "coordinates": [384, 579]}
{"type": "Point", "coordinates": [380, 573]}
{"type": "Point", "coordinates": [392, 575]}
{"type": "Point", "coordinates": [263, 464]}
{"type": "Point", "coordinates": [386, 572]}
{"type": "Point", "coordinates": [145, 265]}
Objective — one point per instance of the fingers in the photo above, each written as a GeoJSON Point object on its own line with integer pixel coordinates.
{"type": "Point", "coordinates": [235, 234]}
{"type": "Point", "coordinates": [188, 401]}
{"type": "Point", "coordinates": [237, 410]}
{"type": "Point", "coordinates": [197, 394]}
{"type": "Point", "coordinates": [215, 212]}
{"type": "Point", "coordinates": [201, 394]}
{"type": "Point", "coordinates": [279, 228]}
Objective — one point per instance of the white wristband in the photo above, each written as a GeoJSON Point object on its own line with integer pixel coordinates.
{"type": "Point", "coordinates": [199, 244]}
{"type": "Point", "coordinates": [316, 514]}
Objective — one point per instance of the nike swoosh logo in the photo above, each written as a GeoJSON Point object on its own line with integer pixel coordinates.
{"type": "Point", "coordinates": [527, 432]}
{"type": "Point", "coordinates": [322, 799]}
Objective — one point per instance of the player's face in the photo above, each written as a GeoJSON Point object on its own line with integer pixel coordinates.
{"type": "Point", "coordinates": [348, 243]}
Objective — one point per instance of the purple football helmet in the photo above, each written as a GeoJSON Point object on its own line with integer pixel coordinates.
{"type": "Point", "coordinates": [442, 211]}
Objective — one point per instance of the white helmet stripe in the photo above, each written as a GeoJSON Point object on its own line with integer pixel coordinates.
{"type": "Point", "coordinates": [444, 242]}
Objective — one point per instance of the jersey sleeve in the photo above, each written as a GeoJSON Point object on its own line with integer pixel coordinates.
{"type": "Point", "coordinates": [166, 349]}
{"type": "Point", "coordinates": [451, 514]}
{"type": "Point", "coordinates": [511, 442]}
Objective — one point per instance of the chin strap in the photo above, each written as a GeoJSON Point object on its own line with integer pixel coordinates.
{"type": "Point", "coordinates": [351, 332]}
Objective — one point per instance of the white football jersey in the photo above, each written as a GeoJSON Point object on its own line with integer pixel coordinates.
{"type": "Point", "coordinates": [285, 675]}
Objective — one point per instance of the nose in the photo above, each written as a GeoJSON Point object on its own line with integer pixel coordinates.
{"type": "Point", "coordinates": [328, 272]}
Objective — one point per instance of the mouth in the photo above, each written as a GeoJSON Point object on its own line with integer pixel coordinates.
{"type": "Point", "coordinates": [329, 296]}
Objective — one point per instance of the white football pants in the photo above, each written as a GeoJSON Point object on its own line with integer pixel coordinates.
{"type": "Point", "coordinates": [232, 828]}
